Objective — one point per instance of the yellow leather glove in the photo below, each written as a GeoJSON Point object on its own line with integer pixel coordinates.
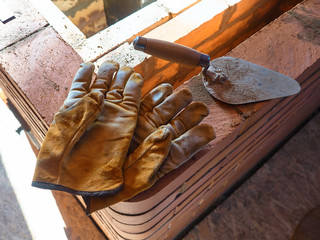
{"type": "Point", "coordinates": [86, 145]}
{"type": "Point", "coordinates": [166, 140]}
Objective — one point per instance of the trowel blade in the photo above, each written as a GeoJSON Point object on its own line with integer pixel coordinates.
{"type": "Point", "coordinates": [236, 81]}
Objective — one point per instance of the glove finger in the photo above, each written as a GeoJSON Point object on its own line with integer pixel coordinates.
{"type": "Point", "coordinates": [187, 145]}
{"type": "Point", "coordinates": [132, 91]}
{"type": "Point", "coordinates": [155, 97]}
{"type": "Point", "coordinates": [104, 77]}
{"type": "Point", "coordinates": [166, 111]}
{"type": "Point", "coordinates": [80, 85]}
{"type": "Point", "coordinates": [118, 84]}
{"type": "Point", "coordinates": [157, 143]}
{"type": "Point", "coordinates": [188, 118]}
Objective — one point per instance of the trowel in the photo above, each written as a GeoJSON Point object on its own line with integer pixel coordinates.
{"type": "Point", "coordinates": [230, 80]}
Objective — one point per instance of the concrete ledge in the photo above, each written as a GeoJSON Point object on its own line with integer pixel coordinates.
{"type": "Point", "coordinates": [106, 40]}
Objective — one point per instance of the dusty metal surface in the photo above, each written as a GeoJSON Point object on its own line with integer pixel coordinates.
{"type": "Point", "coordinates": [236, 81]}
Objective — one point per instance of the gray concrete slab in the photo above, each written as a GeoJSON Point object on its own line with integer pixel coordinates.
{"type": "Point", "coordinates": [12, 222]}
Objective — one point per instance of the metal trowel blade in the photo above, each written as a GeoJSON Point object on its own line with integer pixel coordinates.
{"type": "Point", "coordinates": [236, 81]}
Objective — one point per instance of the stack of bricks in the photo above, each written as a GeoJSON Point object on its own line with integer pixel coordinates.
{"type": "Point", "coordinates": [34, 76]}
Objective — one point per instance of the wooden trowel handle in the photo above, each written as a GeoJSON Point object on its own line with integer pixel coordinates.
{"type": "Point", "coordinates": [171, 51]}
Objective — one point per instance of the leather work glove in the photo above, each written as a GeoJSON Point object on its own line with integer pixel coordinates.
{"type": "Point", "coordinates": [86, 145]}
{"type": "Point", "coordinates": [168, 134]}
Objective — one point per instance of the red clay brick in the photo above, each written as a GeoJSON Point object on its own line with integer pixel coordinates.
{"type": "Point", "coordinates": [43, 66]}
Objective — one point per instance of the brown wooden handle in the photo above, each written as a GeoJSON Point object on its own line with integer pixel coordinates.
{"type": "Point", "coordinates": [171, 51]}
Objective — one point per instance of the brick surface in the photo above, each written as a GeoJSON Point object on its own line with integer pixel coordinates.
{"type": "Point", "coordinates": [27, 21]}
{"type": "Point", "coordinates": [290, 50]}
{"type": "Point", "coordinates": [43, 66]}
